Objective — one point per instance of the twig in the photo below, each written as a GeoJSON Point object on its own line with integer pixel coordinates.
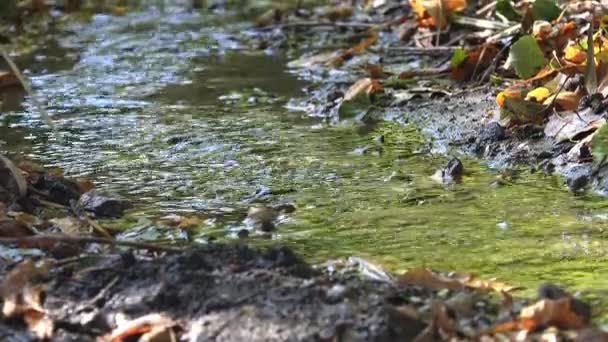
{"type": "Point", "coordinates": [479, 23]}
{"type": "Point", "coordinates": [481, 56]}
{"type": "Point", "coordinates": [504, 33]}
{"type": "Point", "coordinates": [412, 50]}
{"type": "Point", "coordinates": [492, 66]}
{"type": "Point", "coordinates": [97, 227]}
{"type": "Point", "coordinates": [81, 240]}
{"type": "Point", "coordinates": [102, 293]}
{"type": "Point", "coordinates": [329, 25]}
{"type": "Point", "coordinates": [26, 86]}
{"type": "Point", "coordinates": [487, 8]}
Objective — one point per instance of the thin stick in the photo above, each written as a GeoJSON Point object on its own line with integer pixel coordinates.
{"type": "Point", "coordinates": [26, 86]}
{"type": "Point", "coordinates": [81, 240]}
{"type": "Point", "coordinates": [487, 8]}
{"type": "Point", "coordinates": [330, 25]}
{"type": "Point", "coordinates": [413, 50]}
{"type": "Point", "coordinates": [97, 227]}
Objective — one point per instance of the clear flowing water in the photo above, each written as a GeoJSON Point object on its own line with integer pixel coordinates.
{"type": "Point", "coordinates": [171, 114]}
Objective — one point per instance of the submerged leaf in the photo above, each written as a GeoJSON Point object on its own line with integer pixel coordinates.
{"type": "Point", "coordinates": [527, 57]}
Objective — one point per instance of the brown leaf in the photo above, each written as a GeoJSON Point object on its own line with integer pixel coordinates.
{"type": "Point", "coordinates": [424, 277]}
{"type": "Point", "coordinates": [22, 295]}
{"type": "Point", "coordinates": [433, 13]}
{"type": "Point", "coordinates": [85, 185]}
{"type": "Point", "coordinates": [552, 312]}
{"type": "Point", "coordinates": [26, 219]}
{"type": "Point", "coordinates": [421, 276]}
{"type": "Point", "coordinates": [487, 285]}
{"type": "Point", "coordinates": [477, 61]}
{"type": "Point", "coordinates": [8, 79]}
{"type": "Point", "coordinates": [140, 326]}
{"type": "Point", "coordinates": [190, 222]}
{"type": "Point", "coordinates": [366, 86]}
{"type": "Point", "coordinates": [11, 177]}
{"type": "Point", "coordinates": [68, 225]}
{"type": "Point", "coordinates": [12, 228]}
{"type": "Point", "coordinates": [564, 101]}
{"type": "Point", "coordinates": [355, 50]}
{"type": "Point", "coordinates": [39, 323]}
{"type": "Point", "coordinates": [339, 12]}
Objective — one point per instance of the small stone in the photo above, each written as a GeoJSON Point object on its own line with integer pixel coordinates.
{"type": "Point", "coordinates": [490, 133]}
{"type": "Point", "coordinates": [335, 293]}
{"type": "Point", "coordinates": [262, 218]}
{"type": "Point", "coordinates": [451, 173]}
{"type": "Point", "coordinates": [104, 205]}
{"type": "Point", "coordinates": [59, 189]}
{"type": "Point", "coordinates": [502, 225]}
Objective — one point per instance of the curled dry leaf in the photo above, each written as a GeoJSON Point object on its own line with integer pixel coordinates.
{"type": "Point", "coordinates": [569, 126]}
{"type": "Point", "coordinates": [564, 101]}
{"type": "Point", "coordinates": [8, 79]}
{"type": "Point", "coordinates": [11, 178]}
{"type": "Point", "coordinates": [22, 295]}
{"type": "Point", "coordinates": [475, 61]}
{"type": "Point", "coordinates": [422, 276]}
{"type": "Point", "coordinates": [140, 326]}
{"type": "Point", "coordinates": [364, 86]}
{"type": "Point", "coordinates": [561, 313]}
{"type": "Point", "coordinates": [435, 13]}
{"type": "Point", "coordinates": [68, 225]}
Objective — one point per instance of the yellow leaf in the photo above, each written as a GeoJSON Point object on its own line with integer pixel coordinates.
{"type": "Point", "coordinates": [574, 54]}
{"type": "Point", "coordinates": [539, 94]}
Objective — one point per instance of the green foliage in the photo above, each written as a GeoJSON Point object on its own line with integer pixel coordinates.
{"type": "Point", "coordinates": [599, 144]}
{"type": "Point", "coordinates": [459, 57]}
{"type": "Point", "coordinates": [527, 57]}
{"type": "Point", "coordinates": [545, 10]}
{"type": "Point", "coordinates": [505, 8]}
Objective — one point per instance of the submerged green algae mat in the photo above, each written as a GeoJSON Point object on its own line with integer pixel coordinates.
{"type": "Point", "coordinates": [176, 118]}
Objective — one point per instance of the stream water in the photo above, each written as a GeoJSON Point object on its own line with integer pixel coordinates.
{"type": "Point", "coordinates": [172, 114]}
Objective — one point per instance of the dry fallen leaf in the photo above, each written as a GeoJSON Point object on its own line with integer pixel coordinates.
{"type": "Point", "coordinates": [365, 86]}
{"type": "Point", "coordinates": [68, 225]}
{"type": "Point", "coordinates": [421, 276]}
{"type": "Point", "coordinates": [11, 178]}
{"type": "Point", "coordinates": [22, 295]}
{"type": "Point", "coordinates": [8, 79]}
{"type": "Point", "coordinates": [140, 326]}
{"type": "Point", "coordinates": [424, 277]}
{"type": "Point", "coordinates": [433, 13]}
{"type": "Point", "coordinates": [553, 312]}
{"type": "Point", "coordinates": [564, 101]}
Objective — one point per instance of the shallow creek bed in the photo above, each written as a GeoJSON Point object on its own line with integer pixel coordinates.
{"type": "Point", "coordinates": [204, 139]}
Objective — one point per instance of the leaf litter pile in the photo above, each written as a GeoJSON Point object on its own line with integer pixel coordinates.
{"type": "Point", "coordinates": [519, 82]}
{"type": "Point", "coordinates": [545, 66]}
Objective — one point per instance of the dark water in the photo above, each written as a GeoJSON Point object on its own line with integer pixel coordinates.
{"type": "Point", "coordinates": [171, 113]}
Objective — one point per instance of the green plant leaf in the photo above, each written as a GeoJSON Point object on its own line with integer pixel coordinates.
{"type": "Point", "coordinates": [527, 57]}
{"type": "Point", "coordinates": [599, 144]}
{"type": "Point", "coordinates": [458, 58]}
{"type": "Point", "coordinates": [545, 10]}
{"type": "Point", "coordinates": [505, 8]}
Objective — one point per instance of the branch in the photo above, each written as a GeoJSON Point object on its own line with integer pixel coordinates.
{"type": "Point", "coordinates": [81, 240]}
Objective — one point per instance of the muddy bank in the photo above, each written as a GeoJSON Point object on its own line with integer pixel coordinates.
{"type": "Point", "coordinates": [235, 293]}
